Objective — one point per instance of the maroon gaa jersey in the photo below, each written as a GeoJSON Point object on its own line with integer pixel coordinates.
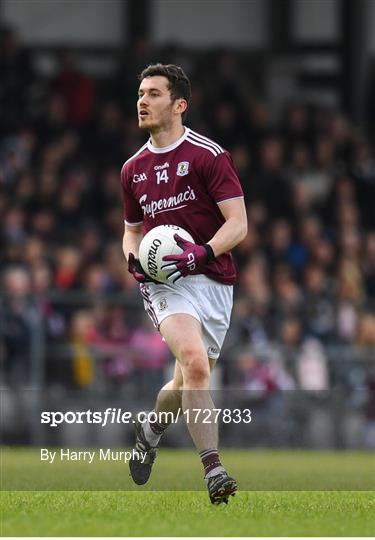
{"type": "Point", "coordinates": [181, 184]}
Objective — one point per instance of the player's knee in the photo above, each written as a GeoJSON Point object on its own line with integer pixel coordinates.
{"type": "Point", "coordinates": [189, 352]}
{"type": "Point", "coordinates": [194, 364]}
{"type": "Point", "coordinates": [196, 372]}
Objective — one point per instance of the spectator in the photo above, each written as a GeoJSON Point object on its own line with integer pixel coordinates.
{"type": "Point", "coordinates": [77, 90]}
{"type": "Point", "coordinates": [368, 265]}
{"type": "Point", "coordinates": [150, 355]}
{"type": "Point", "coordinates": [318, 305]}
{"type": "Point", "coordinates": [17, 324]}
{"type": "Point", "coordinates": [270, 184]}
{"type": "Point", "coordinates": [312, 371]}
{"type": "Point", "coordinates": [82, 358]}
{"type": "Point", "coordinates": [16, 80]}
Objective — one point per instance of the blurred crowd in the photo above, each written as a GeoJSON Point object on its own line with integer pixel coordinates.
{"type": "Point", "coordinates": [306, 268]}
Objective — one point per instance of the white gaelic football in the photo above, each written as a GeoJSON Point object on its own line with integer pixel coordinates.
{"type": "Point", "coordinates": [155, 245]}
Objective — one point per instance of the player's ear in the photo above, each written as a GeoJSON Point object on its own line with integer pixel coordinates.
{"type": "Point", "coordinates": [180, 106]}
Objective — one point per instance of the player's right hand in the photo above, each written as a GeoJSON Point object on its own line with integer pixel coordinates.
{"type": "Point", "coordinates": [135, 268]}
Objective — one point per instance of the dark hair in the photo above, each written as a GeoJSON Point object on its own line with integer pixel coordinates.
{"type": "Point", "coordinates": [179, 83]}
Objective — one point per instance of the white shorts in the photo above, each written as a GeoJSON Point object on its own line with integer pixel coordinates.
{"type": "Point", "coordinates": [206, 300]}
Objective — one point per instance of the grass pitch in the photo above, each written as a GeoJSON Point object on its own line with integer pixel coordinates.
{"type": "Point", "coordinates": [189, 513]}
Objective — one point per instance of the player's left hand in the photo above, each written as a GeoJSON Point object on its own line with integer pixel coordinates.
{"type": "Point", "coordinates": [191, 261]}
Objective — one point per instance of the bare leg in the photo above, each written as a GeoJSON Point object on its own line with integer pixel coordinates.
{"type": "Point", "coordinates": [183, 336]}
{"type": "Point", "coordinates": [169, 397]}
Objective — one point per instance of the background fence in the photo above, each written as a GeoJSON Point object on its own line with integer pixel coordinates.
{"type": "Point", "coordinates": [308, 394]}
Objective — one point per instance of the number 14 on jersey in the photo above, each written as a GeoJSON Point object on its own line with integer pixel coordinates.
{"type": "Point", "coordinates": [162, 176]}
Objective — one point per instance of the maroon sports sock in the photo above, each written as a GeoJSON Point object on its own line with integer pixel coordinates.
{"type": "Point", "coordinates": [157, 427]}
{"type": "Point", "coordinates": [211, 462]}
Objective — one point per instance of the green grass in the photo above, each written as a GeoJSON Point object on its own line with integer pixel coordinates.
{"type": "Point", "coordinates": [187, 514]}
{"type": "Point", "coordinates": [181, 470]}
{"type": "Point", "coordinates": [257, 510]}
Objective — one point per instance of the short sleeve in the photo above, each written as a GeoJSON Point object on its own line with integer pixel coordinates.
{"type": "Point", "coordinates": [133, 214]}
{"type": "Point", "coordinates": [222, 179]}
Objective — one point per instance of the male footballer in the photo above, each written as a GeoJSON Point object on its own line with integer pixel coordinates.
{"type": "Point", "coordinates": [192, 311]}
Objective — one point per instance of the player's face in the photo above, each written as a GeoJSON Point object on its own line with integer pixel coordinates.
{"type": "Point", "coordinates": [154, 105]}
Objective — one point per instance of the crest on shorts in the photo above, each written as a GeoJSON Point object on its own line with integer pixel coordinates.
{"type": "Point", "coordinates": [162, 304]}
{"type": "Point", "coordinates": [183, 168]}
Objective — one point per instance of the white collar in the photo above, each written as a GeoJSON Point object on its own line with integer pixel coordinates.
{"type": "Point", "coordinates": [172, 146]}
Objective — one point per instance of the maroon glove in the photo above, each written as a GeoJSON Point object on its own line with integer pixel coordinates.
{"type": "Point", "coordinates": [192, 260]}
{"type": "Point", "coordinates": [135, 268]}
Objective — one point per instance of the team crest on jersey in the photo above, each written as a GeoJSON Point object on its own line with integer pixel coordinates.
{"type": "Point", "coordinates": [183, 168]}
